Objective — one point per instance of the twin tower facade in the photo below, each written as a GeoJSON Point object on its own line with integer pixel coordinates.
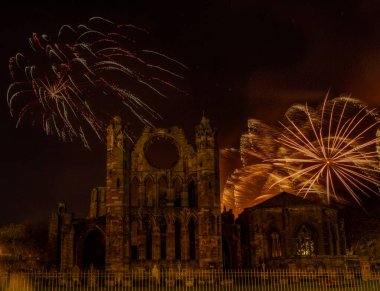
{"type": "Point", "coordinates": [160, 205]}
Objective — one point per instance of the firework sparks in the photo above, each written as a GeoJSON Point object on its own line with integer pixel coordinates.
{"type": "Point", "coordinates": [250, 184]}
{"type": "Point", "coordinates": [320, 153]}
{"type": "Point", "coordinates": [84, 75]}
{"type": "Point", "coordinates": [332, 148]}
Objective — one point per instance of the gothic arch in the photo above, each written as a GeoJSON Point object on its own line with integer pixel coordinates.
{"type": "Point", "coordinates": [184, 216]}
{"type": "Point", "coordinates": [193, 216]}
{"type": "Point", "coordinates": [306, 240]}
{"type": "Point", "coordinates": [149, 177]}
{"type": "Point", "coordinates": [170, 218]}
{"type": "Point", "coordinates": [155, 221]}
{"type": "Point", "coordinates": [192, 193]}
{"type": "Point", "coordinates": [94, 249]}
{"type": "Point", "coordinates": [92, 228]}
{"type": "Point", "coordinates": [177, 178]}
{"type": "Point", "coordinates": [274, 243]}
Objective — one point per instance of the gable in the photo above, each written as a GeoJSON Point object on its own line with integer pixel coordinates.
{"type": "Point", "coordinates": [285, 199]}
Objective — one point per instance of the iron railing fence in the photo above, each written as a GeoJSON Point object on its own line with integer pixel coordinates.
{"type": "Point", "coordinates": [277, 280]}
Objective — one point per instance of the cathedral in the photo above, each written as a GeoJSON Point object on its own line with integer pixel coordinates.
{"type": "Point", "coordinates": [160, 205]}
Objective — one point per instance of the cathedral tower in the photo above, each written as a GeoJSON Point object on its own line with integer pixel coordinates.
{"type": "Point", "coordinates": [209, 195]}
{"type": "Point", "coordinates": [117, 189]}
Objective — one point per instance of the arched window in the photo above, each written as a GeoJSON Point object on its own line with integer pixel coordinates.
{"type": "Point", "coordinates": [162, 191]}
{"type": "Point", "coordinates": [275, 244]}
{"type": "Point", "coordinates": [134, 198]}
{"type": "Point", "coordinates": [192, 194]}
{"type": "Point", "coordinates": [191, 227]}
{"type": "Point", "coordinates": [306, 241]}
{"type": "Point", "coordinates": [163, 240]}
{"type": "Point", "coordinates": [148, 243]}
{"type": "Point", "coordinates": [177, 239]}
{"type": "Point", "coordinates": [177, 192]}
{"type": "Point", "coordinates": [149, 192]}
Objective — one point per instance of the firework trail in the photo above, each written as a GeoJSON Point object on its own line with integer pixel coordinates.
{"type": "Point", "coordinates": [335, 146]}
{"type": "Point", "coordinates": [84, 75]}
{"type": "Point", "coordinates": [324, 153]}
{"type": "Point", "coordinates": [250, 184]}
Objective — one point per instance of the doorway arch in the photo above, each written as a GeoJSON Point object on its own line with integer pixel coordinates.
{"type": "Point", "coordinates": [94, 250]}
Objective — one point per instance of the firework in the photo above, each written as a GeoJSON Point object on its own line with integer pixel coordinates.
{"type": "Point", "coordinates": [334, 147]}
{"type": "Point", "coordinates": [259, 143]}
{"type": "Point", "coordinates": [250, 184]}
{"type": "Point", "coordinates": [84, 75]}
{"type": "Point", "coordinates": [320, 153]}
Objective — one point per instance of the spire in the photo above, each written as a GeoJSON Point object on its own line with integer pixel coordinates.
{"type": "Point", "coordinates": [116, 133]}
{"type": "Point", "coordinates": [205, 134]}
{"type": "Point", "coordinates": [205, 127]}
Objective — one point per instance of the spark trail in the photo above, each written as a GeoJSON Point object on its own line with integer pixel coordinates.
{"type": "Point", "coordinates": [71, 84]}
{"type": "Point", "coordinates": [330, 152]}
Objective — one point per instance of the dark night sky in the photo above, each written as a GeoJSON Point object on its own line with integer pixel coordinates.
{"type": "Point", "coordinates": [246, 59]}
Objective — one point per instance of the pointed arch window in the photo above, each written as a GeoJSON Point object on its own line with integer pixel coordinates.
{"type": "Point", "coordinates": [191, 227]}
{"type": "Point", "coordinates": [306, 241]}
{"type": "Point", "coordinates": [275, 244]}
{"type": "Point", "coordinates": [94, 250]}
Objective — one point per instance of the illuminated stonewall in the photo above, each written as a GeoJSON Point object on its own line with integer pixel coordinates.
{"type": "Point", "coordinates": [161, 205]}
